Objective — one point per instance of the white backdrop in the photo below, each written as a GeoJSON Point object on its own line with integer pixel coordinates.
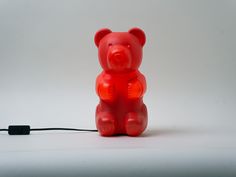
{"type": "Point", "coordinates": [48, 61]}
{"type": "Point", "coordinates": [48, 66]}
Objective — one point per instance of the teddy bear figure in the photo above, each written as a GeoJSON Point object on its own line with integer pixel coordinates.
{"type": "Point", "coordinates": [120, 86]}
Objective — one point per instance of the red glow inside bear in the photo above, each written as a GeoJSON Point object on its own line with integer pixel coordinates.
{"type": "Point", "coordinates": [121, 85]}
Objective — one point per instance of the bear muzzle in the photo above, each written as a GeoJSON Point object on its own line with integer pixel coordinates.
{"type": "Point", "coordinates": [119, 58]}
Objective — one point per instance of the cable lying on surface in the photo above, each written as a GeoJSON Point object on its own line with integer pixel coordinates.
{"type": "Point", "coordinates": [25, 129]}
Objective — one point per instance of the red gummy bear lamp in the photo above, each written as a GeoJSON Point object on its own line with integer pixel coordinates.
{"type": "Point", "coordinates": [121, 85]}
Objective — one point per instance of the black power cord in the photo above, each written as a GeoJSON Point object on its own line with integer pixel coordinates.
{"type": "Point", "coordinates": [25, 129]}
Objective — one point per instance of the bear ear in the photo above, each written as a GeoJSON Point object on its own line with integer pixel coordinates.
{"type": "Point", "coordinates": [100, 34]}
{"type": "Point", "coordinates": [138, 33]}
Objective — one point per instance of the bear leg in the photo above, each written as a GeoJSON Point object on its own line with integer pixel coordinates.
{"type": "Point", "coordinates": [105, 123]}
{"type": "Point", "coordinates": [136, 122]}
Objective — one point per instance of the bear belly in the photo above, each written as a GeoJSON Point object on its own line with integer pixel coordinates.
{"type": "Point", "coordinates": [121, 106]}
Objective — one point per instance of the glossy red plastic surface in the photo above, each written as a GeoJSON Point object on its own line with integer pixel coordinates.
{"type": "Point", "coordinates": [120, 86]}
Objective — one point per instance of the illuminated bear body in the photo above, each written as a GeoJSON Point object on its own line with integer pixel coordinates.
{"type": "Point", "coordinates": [120, 86]}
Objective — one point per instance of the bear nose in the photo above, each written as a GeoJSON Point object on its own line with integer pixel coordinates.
{"type": "Point", "coordinates": [119, 58]}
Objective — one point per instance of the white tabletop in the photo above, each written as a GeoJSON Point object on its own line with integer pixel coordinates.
{"type": "Point", "coordinates": [163, 151]}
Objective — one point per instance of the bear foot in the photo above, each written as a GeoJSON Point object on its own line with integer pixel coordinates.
{"type": "Point", "coordinates": [106, 124]}
{"type": "Point", "coordinates": [134, 124]}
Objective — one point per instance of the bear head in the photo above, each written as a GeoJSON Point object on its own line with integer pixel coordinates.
{"type": "Point", "coordinates": [120, 51]}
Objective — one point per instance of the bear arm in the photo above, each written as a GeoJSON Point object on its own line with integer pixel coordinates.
{"type": "Point", "coordinates": [137, 87]}
{"type": "Point", "coordinates": [104, 89]}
